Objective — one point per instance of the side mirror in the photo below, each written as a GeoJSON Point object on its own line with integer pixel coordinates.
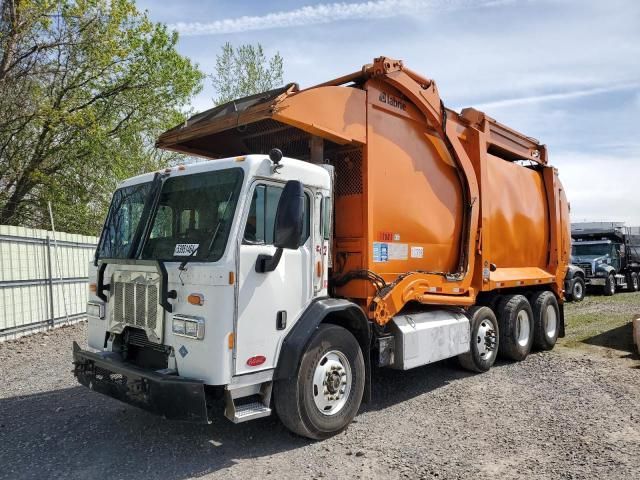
{"type": "Point", "coordinates": [289, 216]}
{"type": "Point", "coordinates": [288, 225]}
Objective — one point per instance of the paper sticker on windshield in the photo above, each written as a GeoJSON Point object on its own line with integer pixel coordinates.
{"type": "Point", "coordinates": [185, 249]}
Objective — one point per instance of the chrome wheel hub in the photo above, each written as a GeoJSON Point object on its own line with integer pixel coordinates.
{"type": "Point", "coordinates": [552, 321]}
{"type": "Point", "coordinates": [331, 382]}
{"type": "Point", "coordinates": [523, 328]}
{"type": "Point", "coordinates": [577, 290]}
{"type": "Point", "coordinates": [486, 340]}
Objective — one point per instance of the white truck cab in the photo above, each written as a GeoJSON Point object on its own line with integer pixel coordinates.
{"type": "Point", "coordinates": [201, 239]}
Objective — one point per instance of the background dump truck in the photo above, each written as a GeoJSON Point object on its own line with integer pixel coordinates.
{"type": "Point", "coordinates": [394, 232]}
{"type": "Point", "coordinates": [609, 253]}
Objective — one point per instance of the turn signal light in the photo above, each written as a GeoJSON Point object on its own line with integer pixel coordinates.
{"type": "Point", "coordinates": [196, 299]}
{"type": "Point", "coordinates": [93, 288]}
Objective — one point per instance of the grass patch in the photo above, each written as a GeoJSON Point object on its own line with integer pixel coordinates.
{"type": "Point", "coordinates": [600, 317]}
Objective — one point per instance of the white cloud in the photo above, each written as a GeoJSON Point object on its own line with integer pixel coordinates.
{"type": "Point", "coordinates": [556, 70]}
{"type": "Point", "coordinates": [598, 186]}
{"type": "Point", "coordinates": [512, 102]}
{"type": "Point", "coordinates": [326, 13]}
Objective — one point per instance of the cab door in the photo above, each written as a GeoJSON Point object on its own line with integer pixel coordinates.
{"type": "Point", "coordinates": [269, 302]}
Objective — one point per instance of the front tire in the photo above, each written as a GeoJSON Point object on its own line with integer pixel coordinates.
{"type": "Point", "coordinates": [484, 333]}
{"type": "Point", "coordinates": [546, 315]}
{"type": "Point", "coordinates": [610, 286]}
{"type": "Point", "coordinates": [327, 392]}
{"type": "Point", "coordinates": [578, 289]}
{"type": "Point", "coordinates": [515, 319]}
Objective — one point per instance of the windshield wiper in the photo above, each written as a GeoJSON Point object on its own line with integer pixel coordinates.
{"type": "Point", "coordinates": [213, 239]}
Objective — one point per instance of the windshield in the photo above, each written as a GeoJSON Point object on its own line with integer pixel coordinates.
{"type": "Point", "coordinates": [122, 221]}
{"type": "Point", "coordinates": [192, 218]}
{"type": "Point", "coordinates": [593, 249]}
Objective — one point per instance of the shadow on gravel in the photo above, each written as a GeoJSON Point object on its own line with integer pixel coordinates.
{"type": "Point", "coordinates": [619, 338]}
{"type": "Point", "coordinates": [74, 433]}
{"type": "Point", "coordinates": [394, 386]}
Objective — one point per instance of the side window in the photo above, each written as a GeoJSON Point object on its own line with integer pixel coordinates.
{"type": "Point", "coordinates": [272, 198]}
{"type": "Point", "coordinates": [262, 216]}
{"type": "Point", "coordinates": [306, 226]}
{"type": "Point", "coordinates": [326, 218]}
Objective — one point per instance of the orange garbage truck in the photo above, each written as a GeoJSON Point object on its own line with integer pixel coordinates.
{"type": "Point", "coordinates": [355, 224]}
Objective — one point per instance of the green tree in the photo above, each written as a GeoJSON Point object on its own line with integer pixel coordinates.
{"type": "Point", "coordinates": [85, 88]}
{"type": "Point", "coordinates": [244, 71]}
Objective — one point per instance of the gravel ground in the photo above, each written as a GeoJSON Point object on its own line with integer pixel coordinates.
{"type": "Point", "coordinates": [569, 413]}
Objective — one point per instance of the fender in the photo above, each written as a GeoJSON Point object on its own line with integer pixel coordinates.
{"type": "Point", "coordinates": [604, 267]}
{"type": "Point", "coordinates": [296, 341]}
{"type": "Point", "coordinates": [572, 271]}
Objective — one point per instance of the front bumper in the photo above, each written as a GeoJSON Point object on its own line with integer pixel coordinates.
{"type": "Point", "coordinates": [595, 281]}
{"type": "Point", "coordinates": [174, 397]}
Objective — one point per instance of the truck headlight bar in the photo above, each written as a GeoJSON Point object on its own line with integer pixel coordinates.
{"type": "Point", "coordinates": [188, 326]}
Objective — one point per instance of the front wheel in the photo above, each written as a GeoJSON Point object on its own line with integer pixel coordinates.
{"type": "Point", "coordinates": [577, 289]}
{"type": "Point", "coordinates": [326, 394]}
{"type": "Point", "coordinates": [610, 285]}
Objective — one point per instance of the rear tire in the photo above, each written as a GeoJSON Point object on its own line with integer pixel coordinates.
{"type": "Point", "coordinates": [546, 316]}
{"type": "Point", "coordinates": [633, 281]}
{"type": "Point", "coordinates": [484, 333]}
{"type": "Point", "coordinates": [326, 394]}
{"type": "Point", "coordinates": [609, 286]}
{"type": "Point", "coordinates": [515, 320]}
{"type": "Point", "coordinates": [578, 289]}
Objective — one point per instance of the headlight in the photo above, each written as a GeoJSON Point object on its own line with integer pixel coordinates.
{"type": "Point", "coordinates": [178, 326]}
{"type": "Point", "coordinates": [95, 309]}
{"type": "Point", "coordinates": [187, 326]}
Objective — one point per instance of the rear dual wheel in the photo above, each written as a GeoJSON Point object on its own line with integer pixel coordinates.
{"type": "Point", "coordinates": [484, 340]}
{"type": "Point", "coordinates": [546, 315]}
{"type": "Point", "coordinates": [516, 324]}
{"type": "Point", "coordinates": [633, 282]}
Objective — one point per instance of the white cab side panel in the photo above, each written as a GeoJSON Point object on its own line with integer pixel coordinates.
{"type": "Point", "coordinates": [96, 327]}
{"type": "Point", "coordinates": [262, 296]}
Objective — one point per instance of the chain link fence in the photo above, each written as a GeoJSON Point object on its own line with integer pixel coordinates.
{"type": "Point", "coordinates": [43, 279]}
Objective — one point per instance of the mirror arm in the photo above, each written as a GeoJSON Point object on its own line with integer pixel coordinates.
{"type": "Point", "coordinates": [268, 263]}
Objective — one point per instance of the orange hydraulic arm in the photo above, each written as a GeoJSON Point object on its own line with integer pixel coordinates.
{"type": "Point", "coordinates": [422, 286]}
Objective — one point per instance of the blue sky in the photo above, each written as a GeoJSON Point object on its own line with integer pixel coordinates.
{"type": "Point", "coordinates": [564, 71]}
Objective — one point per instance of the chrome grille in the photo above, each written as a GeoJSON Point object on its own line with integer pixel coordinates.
{"type": "Point", "coordinates": [135, 298]}
{"type": "Point", "coordinates": [128, 312]}
{"type": "Point", "coordinates": [587, 269]}
{"type": "Point", "coordinates": [152, 306]}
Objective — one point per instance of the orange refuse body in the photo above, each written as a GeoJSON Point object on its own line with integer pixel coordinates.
{"type": "Point", "coordinates": [443, 206]}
